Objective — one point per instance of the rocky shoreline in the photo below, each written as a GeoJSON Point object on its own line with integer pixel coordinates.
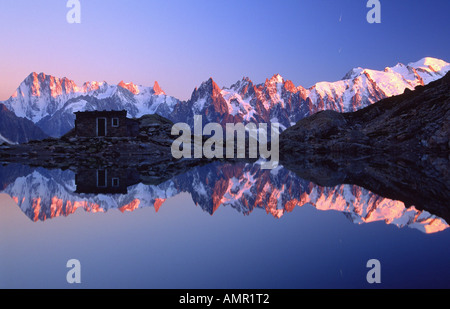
{"type": "Point", "coordinates": [148, 153]}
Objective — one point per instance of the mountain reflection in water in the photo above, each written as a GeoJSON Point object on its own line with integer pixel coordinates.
{"type": "Point", "coordinates": [44, 194]}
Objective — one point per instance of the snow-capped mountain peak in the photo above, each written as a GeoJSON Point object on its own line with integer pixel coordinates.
{"type": "Point", "coordinates": [134, 89]}
{"type": "Point", "coordinates": [157, 89]}
{"type": "Point", "coordinates": [430, 63]}
{"type": "Point", "coordinates": [430, 69]}
{"type": "Point", "coordinates": [353, 73]}
{"type": "Point", "coordinates": [276, 79]}
{"type": "Point", "coordinates": [92, 86]}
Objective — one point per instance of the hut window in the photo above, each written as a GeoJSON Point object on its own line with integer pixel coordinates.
{"type": "Point", "coordinates": [115, 182]}
{"type": "Point", "coordinates": [115, 122]}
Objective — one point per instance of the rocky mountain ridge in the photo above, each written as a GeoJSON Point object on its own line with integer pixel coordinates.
{"type": "Point", "coordinates": [50, 101]}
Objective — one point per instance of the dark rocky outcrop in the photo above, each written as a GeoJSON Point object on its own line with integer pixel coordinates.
{"type": "Point", "coordinates": [416, 122]}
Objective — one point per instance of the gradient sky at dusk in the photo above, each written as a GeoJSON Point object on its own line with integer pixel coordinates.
{"type": "Point", "coordinates": [182, 43]}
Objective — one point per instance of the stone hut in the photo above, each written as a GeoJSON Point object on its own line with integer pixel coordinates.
{"type": "Point", "coordinates": [105, 124]}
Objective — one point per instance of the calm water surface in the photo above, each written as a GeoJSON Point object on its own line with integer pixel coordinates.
{"type": "Point", "coordinates": [217, 226]}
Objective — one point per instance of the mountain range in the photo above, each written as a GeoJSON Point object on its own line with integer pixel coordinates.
{"type": "Point", "coordinates": [49, 102]}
